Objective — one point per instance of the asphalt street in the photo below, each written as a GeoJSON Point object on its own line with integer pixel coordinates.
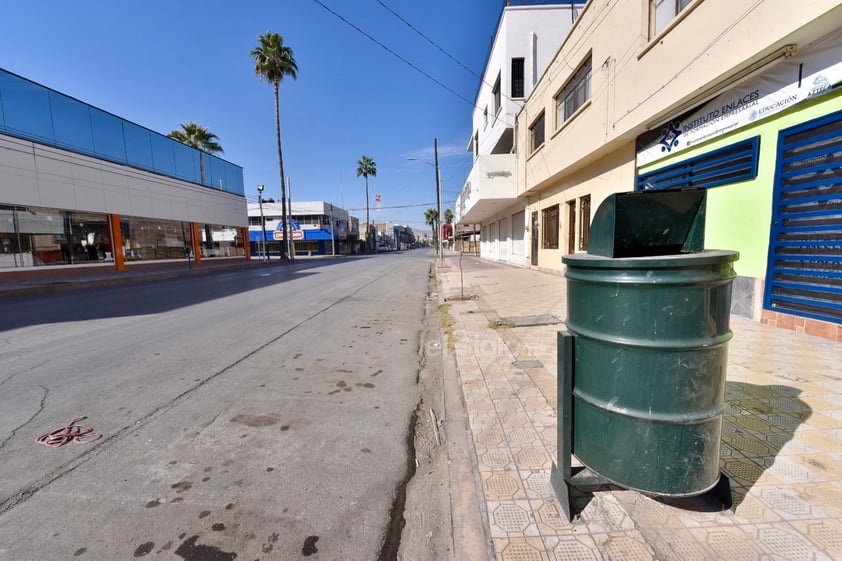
{"type": "Point", "coordinates": [262, 413]}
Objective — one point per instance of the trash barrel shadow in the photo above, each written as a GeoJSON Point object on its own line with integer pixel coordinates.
{"type": "Point", "coordinates": [757, 424]}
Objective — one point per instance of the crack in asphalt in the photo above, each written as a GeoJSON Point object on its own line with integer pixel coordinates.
{"type": "Point", "coordinates": [32, 418]}
{"type": "Point", "coordinates": [22, 495]}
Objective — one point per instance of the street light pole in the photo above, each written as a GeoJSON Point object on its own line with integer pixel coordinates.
{"type": "Point", "coordinates": [262, 220]}
{"type": "Point", "coordinates": [440, 250]}
{"type": "Point", "coordinates": [437, 225]}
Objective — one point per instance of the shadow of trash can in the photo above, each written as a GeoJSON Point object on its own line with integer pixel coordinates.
{"type": "Point", "coordinates": [641, 385]}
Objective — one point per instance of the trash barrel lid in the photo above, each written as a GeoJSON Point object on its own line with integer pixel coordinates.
{"type": "Point", "coordinates": [649, 223]}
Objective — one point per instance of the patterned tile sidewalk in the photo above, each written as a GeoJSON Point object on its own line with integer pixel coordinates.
{"type": "Point", "coordinates": [781, 441]}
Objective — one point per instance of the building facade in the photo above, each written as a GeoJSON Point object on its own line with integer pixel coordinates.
{"type": "Point", "coordinates": [488, 207]}
{"type": "Point", "coordinates": [741, 98]}
{"type": "Point", "coordinates": [80, 186]}
{"type": "Point", "coordinates": [318, 228]}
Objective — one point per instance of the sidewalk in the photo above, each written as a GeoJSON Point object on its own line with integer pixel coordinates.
{"type": "Point", "coordinates": [781, 441]}
{"type": "Point", "coordinates": [34, 281]}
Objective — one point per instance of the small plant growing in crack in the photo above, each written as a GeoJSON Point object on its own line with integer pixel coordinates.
{"type": "Point", "coordinates": [500, 324]}
{"type": "Point", "coordinates": [446, 325]}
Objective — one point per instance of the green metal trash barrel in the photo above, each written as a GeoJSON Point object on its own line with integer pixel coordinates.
{"type": "Point", "coordinates": [649, 312]}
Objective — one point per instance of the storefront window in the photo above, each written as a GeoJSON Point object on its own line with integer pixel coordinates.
{"type": "Point", "coordinates": [31, 237]}
{"type": "Point", "coordinates": [145, 239]}
{"type": "Point", "coordinates": [221, 241]}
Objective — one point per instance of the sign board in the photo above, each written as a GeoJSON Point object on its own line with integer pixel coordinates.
{"type": "Point", "coordinates": [813, 71]}
{"type": "Point", "coordinates": [278, 235]}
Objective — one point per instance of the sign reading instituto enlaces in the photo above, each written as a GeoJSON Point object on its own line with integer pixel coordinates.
{"type": "Point", "coordinates": [813, 71]}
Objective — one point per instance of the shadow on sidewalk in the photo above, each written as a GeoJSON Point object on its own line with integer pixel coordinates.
{"type": "Point", "coordinates": [758, 423]}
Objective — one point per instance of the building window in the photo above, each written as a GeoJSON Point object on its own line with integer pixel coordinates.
{"type": "Point", "coordinates": [485, 117]}
{"type": "Point", "coordinates": [662, 12]}
{"type": "Point", "coordinates": [574, 94]}
{"type": "Point", "coordinates": [496, 93]}
{"type": "Point", "coordinates": [476, 145]}
{"type": "Point", "coordinates": [550, 230]}
{"type": "Point", "coordinates": [571, 226]}
{"type": "Point", "coordinates": [584, 221]}
{"type": "Point", "coordinates": [517, 77]}
{"type": "Point", "coordinates": [536, 133]}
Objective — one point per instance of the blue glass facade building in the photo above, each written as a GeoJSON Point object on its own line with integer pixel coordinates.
{"type": "Point", "coordinates": [79, 185]}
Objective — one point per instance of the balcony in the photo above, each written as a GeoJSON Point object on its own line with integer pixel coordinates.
{"type": "Point", "coordinates": [491, 187]}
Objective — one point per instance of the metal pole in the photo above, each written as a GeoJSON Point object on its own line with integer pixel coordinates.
{"type": "Point", "coordinates": [332, 234]}
{"type": "Point", "coordinates": [290, 242]}
{"type": "Point", "coordinates": [438, 198]}
{"type": "Point", "coordinates": [265, 254]}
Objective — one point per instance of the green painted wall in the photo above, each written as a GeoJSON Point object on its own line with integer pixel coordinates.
{"type": "Point", "coordinates": [739, 215]}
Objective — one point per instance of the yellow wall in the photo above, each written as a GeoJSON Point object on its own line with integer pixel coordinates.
{"type": "Point", "coordinates": [610, 174]}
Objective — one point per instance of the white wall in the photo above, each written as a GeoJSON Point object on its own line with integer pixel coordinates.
{"type": "Point", "coordinates": [37, 175]}
{"type": "Point", "coordinates": [531, 32]}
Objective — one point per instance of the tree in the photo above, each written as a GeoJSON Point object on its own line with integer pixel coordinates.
{"type": "Point", "coordinates": [365, 167]}
{"type": "Point", "coordinates": [448, 216]}
{"type": "Point", "coordinates": [197, 136]}
{"type": "Point", "coordinates": [272, 62]}
{"type": "Point", "coordinates": [431, 218]}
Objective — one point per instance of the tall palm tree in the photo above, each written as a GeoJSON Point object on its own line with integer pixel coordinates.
{"type": "Point", "coordinates": [365, 167]}
{"type": "Point", "coordinates": [197, 136]}
{"type": "Point", "coordinates": [431, 218]}
{"type": "Point", "coordinates": [272, 62]}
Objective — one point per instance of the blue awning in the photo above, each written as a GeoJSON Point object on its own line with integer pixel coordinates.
{"type": "Point", "coordinates": [313, 234]}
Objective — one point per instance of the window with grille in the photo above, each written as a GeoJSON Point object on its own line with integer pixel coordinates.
{"type": "Point", "coordinates": [495, 91]}
{"type": "Point", "coordinates": [550, 227]}
{"type": "Point", "coordinates": [517, 77]}
{"type": "Point", "coordinates": [584, 221]}
{"type": "Point", "coordinates": [574, 94]}
{"type": "Point", "coordinates": [536, 133]}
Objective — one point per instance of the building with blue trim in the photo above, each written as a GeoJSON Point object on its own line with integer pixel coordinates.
{"type": "Point", "coordinates": [80, 186]}
{"type": "Point", "coordinates": [318, 228]}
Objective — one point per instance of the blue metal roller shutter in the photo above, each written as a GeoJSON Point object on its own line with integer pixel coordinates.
{"type": "Point", "coordinates": [805, 253]}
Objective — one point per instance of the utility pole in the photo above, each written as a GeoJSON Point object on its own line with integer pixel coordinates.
{"type": "Point", "coordinates": [439, 251]}
{"type": "Point", "coordinates": [332, 233]}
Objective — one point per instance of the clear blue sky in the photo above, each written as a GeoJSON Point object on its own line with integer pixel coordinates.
{"type": "Point", "coordinates": [160, 63]}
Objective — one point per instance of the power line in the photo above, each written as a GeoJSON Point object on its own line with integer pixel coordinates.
{"type": "Point", "coordinates": [390, 51]}
{"type": "Point", "coordinates": [391, 207]}
{"type": "Point", "coordinates": [433, 43]}
{"type": "Point", "coordinates": [401, 58]}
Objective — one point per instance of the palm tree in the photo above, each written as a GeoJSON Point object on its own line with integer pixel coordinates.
{"type": "Point", "coordinates": [366, 167]}
{"type": "Point", "coordinates": [272, 62]}
{"type": "Point", "coordinates": [431, 218]}
{"type": "Point", "coordinates": [197, 136]}
{"type": "Point", "coordinates": [448, 216]}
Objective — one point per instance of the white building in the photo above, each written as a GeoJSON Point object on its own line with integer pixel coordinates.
{"type": "Point", "coordinates": [528, 36]}
{"type": "Point", "coordinates": [318, 228]}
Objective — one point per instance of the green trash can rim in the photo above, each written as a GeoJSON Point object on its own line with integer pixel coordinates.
{"type": "Point", "coordinates": [708, 257]}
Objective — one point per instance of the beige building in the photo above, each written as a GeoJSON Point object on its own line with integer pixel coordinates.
{"type": "Point", "coordinates": [647, 85]}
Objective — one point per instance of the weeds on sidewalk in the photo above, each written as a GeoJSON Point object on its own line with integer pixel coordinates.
{"type": "Point", "coordinates": [446, 325]}
{"type": "Point", "coordinates": [500, 324]}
